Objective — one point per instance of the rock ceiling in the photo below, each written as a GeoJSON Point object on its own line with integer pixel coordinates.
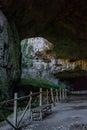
{"type": "Point", "coordinates": [62, 22]}
{"type": "Point", "coordinates": [40, 17]}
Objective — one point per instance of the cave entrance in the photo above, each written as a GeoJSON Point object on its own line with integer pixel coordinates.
{"type": "Point", "coordinates": [77, 85]}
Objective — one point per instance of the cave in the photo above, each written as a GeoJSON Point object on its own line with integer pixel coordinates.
{"type": "Point", "coordinates": [76, 83]}
{"type": "Point", "coordinates": [79, 84]}
{"type": "Point", "coordinates": [43, 46]}
{"type": "Point", "coordinates": [37, 52]}
{"type": "Point", "coordinates": [63, 23]}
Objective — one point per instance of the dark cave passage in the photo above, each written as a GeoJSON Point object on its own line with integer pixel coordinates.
{"type": "Point", "coordinates": [79, 83]}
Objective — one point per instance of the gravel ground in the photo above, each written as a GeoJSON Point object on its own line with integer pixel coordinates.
{"type": "Point", "coordinates": [65, 116]}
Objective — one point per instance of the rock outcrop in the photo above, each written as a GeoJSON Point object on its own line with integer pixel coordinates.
{"type": "Point", "coordinates": [9, 56]}
{"type": "Point", "coordinates": [39, 60]}
{"type": "Point", "coordinates": [33, 64]}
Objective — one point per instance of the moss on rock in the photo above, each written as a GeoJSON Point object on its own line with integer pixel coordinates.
{"type": "Point", "coordinates": [9, 57]}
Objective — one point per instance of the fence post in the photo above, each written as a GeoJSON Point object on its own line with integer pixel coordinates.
{"type": "Point", "coordinates": [15, 109]}
{"type": "Point", "coordinates": [47, 97]}
{"type": "Point", "coordinates": [63, 94]}
{"type": "Point", "coordinates": [57, 96]}
{"type": "Point", "coordinates": [40, 97]}
{"type": "Point", "coordinates": [52, 97]}
{"type": "Point", "coordinates": [30, 103]}
{"type": "Point", "coordinates": [60, 94]}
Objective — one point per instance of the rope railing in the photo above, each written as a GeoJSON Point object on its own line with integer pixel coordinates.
{"type": "Point", "coordinates": [20, 98]}
{"type": "Point", "coordinates": [42, 97]}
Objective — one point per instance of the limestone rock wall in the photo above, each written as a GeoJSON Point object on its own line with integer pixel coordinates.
{"type": "Point", "coordinates": [34, 50]}
{"type": "Point", "coordinates": [38, 60]}
{"type": "Point", "coordinates": [9, 56]}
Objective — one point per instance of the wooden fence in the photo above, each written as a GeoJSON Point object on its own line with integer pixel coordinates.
{"type": "Point", "coordinates": [44, 97]}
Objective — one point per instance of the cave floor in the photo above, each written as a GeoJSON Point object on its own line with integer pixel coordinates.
{"type": "Point", "coordinates": [71, 115]}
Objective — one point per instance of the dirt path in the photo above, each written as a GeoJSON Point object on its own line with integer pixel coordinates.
{"type": "Point", "coordinates": [65, 116]}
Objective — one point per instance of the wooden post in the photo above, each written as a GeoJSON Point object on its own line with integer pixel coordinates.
{"type": "Point", "coordinates": [30, 103]}
{"type": "Point", "coordinates": [47, 97]}
{"type": "Point", "coordinates": [63, 94]}
{"type": "Point", "coordinates": [60, 94]}
{"type": "Point", "coordinates": [52, 97]}
{"type": "Point", "coordinates": [15, 109]}
{"type": "Point", "coordinates": [57, 96]}
{"type": "Point", "coordinates": [40, 97]}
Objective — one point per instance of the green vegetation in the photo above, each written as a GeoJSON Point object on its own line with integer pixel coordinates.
{"type": "Point", "coordinates": [38, 83]}
{"type": "Point", "coordinates": [26, 49]}
{"type": "Point", "coordinates": [41, 83]}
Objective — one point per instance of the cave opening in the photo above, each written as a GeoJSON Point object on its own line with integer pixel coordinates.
{"type": "Point", "coordinates": [77, 84]}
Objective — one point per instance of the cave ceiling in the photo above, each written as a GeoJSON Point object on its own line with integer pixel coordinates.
{"type": "Point", "coordinates": [62, 22]}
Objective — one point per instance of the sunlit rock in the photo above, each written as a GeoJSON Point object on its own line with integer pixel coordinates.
{"type": "Point", "coordinates": [33, 64]}
{"type": "Point", "coordinates": [39, 60]}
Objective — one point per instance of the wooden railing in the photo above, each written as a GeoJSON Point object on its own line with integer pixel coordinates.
{"type": "Point", "coordinates": [26, 103]}
{"type": "Point", "coordinates": [77, 92]}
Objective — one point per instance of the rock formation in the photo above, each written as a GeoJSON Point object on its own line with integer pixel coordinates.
{"type": "Point", "coordinates": [40, 61]}
{"type": "Point", "coordinates": [9, 56]}
{"type": "Point", "coordinates": [33, 62]}
{"type": "Point", "coordinates": [63, 23]}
